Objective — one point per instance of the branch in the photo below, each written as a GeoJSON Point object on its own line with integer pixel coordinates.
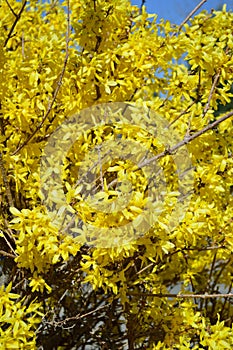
{"type": "Point", "coordinates": [2, 252]}
{"type": "Point", "coordinates": [57, 87]}
{"type": "Point", "coordinates": [5, 182]}
{"type": "Point", "coordinates": [78, 317]}
{"type": "Point", "coordinates": [51, 8]}
{"type": "Point", "coordinates": [8, 4]}
{"type": "Point", "coordinates": [213, 87]}
{"type": "Point", "coordinates": [142, 4]}
{"type": "Point", "coordinates": [180, 296]}
{"type": "Point", "coordinates": [187, 139]}
{"type": "Point", "coordinates": [191, 13]}
{"type": "Point", "coordinates": [182, 113]}
{"type": "Point", "coordinates": [3, 234]}
{"type": "Point", "coordinates": [17, 18]}
{"type": "Point", "coordinates": [145, 268]}
{"type": "Point", "coordinates": [101, 168]}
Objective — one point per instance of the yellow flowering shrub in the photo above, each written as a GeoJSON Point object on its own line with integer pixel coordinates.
{"type": "Point", "coordinates": [116, 174]}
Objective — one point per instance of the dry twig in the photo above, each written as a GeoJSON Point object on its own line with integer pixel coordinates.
{"type": "Point", "coordinates": [2, 252]}
{"type": "Point", "coordinates": [191, 13]}
{"type": "Point", "coordinates": [213, 87]}
{"type": "Point", "coordinates": [78, 317]}
{"type": "Point", "coordinates": [180, 296]}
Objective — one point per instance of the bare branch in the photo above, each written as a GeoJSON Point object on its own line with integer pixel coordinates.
{"type": "Point", "coordinates": [213, 87]}
{"type": "Point", "coordinates": [145, 268]}
{"type": "Point", "coordinates": [78, 317]}
{"type": "Point", "coordinates": [4, 234]}
{"type": "Point", "coordinates": [142, 4]}
{"type": "Point", "coordinates": [182, 113]}
{"type": "Point", "coordinates": [5, 182]}
{"type": "Point", "coordinates": [57, 87]}
{"type": "Point", "coordinates": [23, 45]}
{"type": "Point", "coordinates": [51, 8]}
{"type": "Point", "coordinates": [2, 252]}
{"type": "Point", "coordinates": [191, 13]}
{"type": "Point", "coordinates": [101, 168]}
{"type": "Point", "coordinates": [186, 140]}
{"type": "Point", "coordinates": [180, 296]}
{"type": "Point", "coordinates": [8, 4]}
{"type": "Point", "coordinates": [17, 18]}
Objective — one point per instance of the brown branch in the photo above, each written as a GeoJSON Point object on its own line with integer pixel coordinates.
{"type": "Point", "coordinates": [51, 8]}
{"type": "Point", "coordinates": [191, 13]}
{"type": "Point", "coordinates": [57, 87]}
{"type": "Point", "coordinates": [130, 326]}
{"type": "Point", "coordinates": [10, 236]}
{"type": "Point", "coordinates": [17, 18]}
{"type": "Point", "coordinates": [2, 252]}
{"type": "Point", "coordinates": [94, 3]}
{"type": "Point", "coordinates": [78, 317]}
{"type": "Point", "coordinates": [225, 301]}
{"type": "Point", "coordinates": [143, 2]}
{"type": "Point", "coordinates": [5, 182]}
{"type": "Point", "coordinates": [9, 232]}
{"type": "Point", "coordinates": [187, 139]}
{"type": "Point", "coordinates": [180, 296]}
{"type": "Point", "coordinates": [211, 271]}
{"type": "Point", "coordinates": [213, 87]}
{"type": "Point", "coordinates": [8, 4]}
{"type": "Point", "coordinates": [197, 249]}
{"type": "Point", "coordinates": [145, 268]}
{"type": "Point", "coordinates": [182, 113]}
{"type": "Point", "coordinates": [100, 166]}
{"type": "Point", "coordinates": [23, 45]}
{"type": "Point", "coordinates": [224, 264]}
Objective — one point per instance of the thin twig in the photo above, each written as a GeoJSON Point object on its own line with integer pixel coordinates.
{"type": "Point", "coordinates": [213, 87]}
{"type": "Point", "coordinates": [62, 297]}
{"type": "Point", "coordinates": [8, 4]}
{"type": "Point", "coordinates": [51, 8]}
{"type": "Point", "coordinates": [5, 182]}
{"type": "Point", "coordinates": [201, 249]}
{"type": "Point", "coordinates": [211, 271]}
{"type": "Point", "coordinates": [180, 296]}
{"type": "Point", "coordinates": [142, 4]}
{"type": "Point", "coordinates": [182, 113]}
{"type": "Point", "coordinates": [186, 140]}
{"type": "Point", "coordinates": [9, 232]}
{"type": "Point", "coordinates": [225, 301]}
{"type": "Point", "coordinates": [23, 45]}
{"type": "Point", "coordinates": [7, 242]}
{"type": "Point", "coordinates": [19, 283]}
{"type": "Point", "coordinates": [191, 13]}
{"type": "Point", "coordinates": [78, 317]}
{"type": "Point", "coordinates": [101, 169]}
{"type": "Point", "coordinates": [145, 268]}
{"type": "Point", "coordinates": [57, 87]}
{"type": "Point", "coordinates": [17, 18]}
{"type": "Point", "coordinates": [2, 252]}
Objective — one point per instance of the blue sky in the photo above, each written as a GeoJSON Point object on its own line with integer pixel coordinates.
{"type": "Point", "coordinates": [176, 10]}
